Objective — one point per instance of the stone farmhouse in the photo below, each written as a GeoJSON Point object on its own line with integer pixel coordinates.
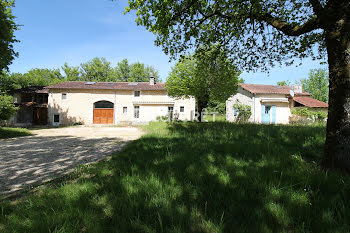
{"type": "Point", "coordinates": [90, 103]}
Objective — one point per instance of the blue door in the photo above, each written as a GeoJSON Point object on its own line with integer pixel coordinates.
{"type": "Point", "coordinates": [266, 114]}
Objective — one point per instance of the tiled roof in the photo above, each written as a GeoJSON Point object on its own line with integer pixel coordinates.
{"type": "Point", "coordinates": [268, 89]}
{"type": "Point", "coordinates": [310, 102]}
{"type": "Point", "coordinates": [108, 86]}
{"type": "Point", "coordinates": [31, 89]}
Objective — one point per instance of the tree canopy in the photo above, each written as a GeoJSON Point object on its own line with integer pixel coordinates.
{"type": "Point", "coordinates": [317, 84]}
{"type": "Point", "coordinates": [208, 76]}
{"type": "Point", "coordinates": [97, 69]}
{"type": "Point", "coordinates": [7, 37]}
{"type": "Point", "coordinates": [256, 33]}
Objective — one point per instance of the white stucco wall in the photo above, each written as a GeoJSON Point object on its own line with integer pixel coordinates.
{"type": "Point", "coordinates": [281, 102]}
{"type": "Point", "coordinates": [256, 101]}
{"type": "Point", "coordinates": [78, 107]}
{"type": "Point", "coordinates": [243, 97]}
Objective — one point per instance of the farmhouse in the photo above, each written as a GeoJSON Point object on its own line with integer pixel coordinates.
{"type": "Point", "coordinates": [271, 104]}
{"type": "Point", "coordinates": [111, 103]}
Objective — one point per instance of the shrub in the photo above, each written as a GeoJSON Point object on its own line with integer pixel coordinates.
{"type": "Point", "coordinates": [305, 112]}
{"type": "Point", "coordinates": [7, 108]}
{"type": "Point", "coordinates": [244, 112]}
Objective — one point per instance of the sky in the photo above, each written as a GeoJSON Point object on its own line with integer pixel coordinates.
{"type": "Point", "coordinates": [75, 31]}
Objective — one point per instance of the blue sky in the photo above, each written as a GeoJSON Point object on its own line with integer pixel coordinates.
{"type": "Point", "coordinates": [76, 31]}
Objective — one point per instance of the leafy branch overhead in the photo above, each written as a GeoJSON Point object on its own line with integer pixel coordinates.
{"type": "Point", "coordinates": [256, 33]}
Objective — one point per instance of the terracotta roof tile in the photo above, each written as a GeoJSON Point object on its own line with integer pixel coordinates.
{"type": "Point", "coordinates": [268, 89]}
{"type": "Point", "coordinates": [108, 86]}
{"type": "Point", "coordinates": [31, 89]}
{"type": "Point", "coordinates": [310, 102]}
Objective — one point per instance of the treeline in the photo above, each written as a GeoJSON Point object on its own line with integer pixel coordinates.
{"type": "Point", "coordinates": [97, 69]}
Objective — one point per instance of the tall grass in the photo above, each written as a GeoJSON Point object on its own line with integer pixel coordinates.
{"type": "Point", "coordinates": [7, 132]}
{"type": "Point", "coordinates": [212, 177]}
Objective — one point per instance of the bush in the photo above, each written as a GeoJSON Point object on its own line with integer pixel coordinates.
{"type": "Point", "coordinates": [314, 115]}
{"type": "Point", "coordinates": [219, 107]}
{"type": "Point", "coordinates": [7, 108]}
{"type": "Point", "coordinates": [244, 112]}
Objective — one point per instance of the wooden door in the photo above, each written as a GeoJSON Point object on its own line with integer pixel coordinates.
{"type": "Point", "coordinates": [103, 116]}
{"type": "Point", "coordinates": [40, 116]}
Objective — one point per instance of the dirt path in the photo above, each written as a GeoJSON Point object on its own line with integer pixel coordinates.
{"type": "Point", "coordinates": [50, 153]}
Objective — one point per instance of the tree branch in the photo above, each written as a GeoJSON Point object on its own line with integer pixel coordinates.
{"type": "Point", "coordinates": [317, 7]}
{"type": "Point", "coordinates": [289, 29]}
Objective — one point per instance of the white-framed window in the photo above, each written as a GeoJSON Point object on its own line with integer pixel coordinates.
{"type": "Point", "coordinates": [125, 110]}
{"type": "Point", "coordinates": [137, 93]}
{"type": "Point", "coordinates": [136, 111]}
{"type": "Point", "coordinates": [182, 108]}
{"type": "Point", "coordinates": [64, 96]}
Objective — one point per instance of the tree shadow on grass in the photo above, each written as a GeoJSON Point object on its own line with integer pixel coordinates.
{"type": "Point", "coordinates": [217, 177]}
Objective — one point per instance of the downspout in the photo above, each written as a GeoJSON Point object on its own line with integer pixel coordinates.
{"type": "Point", "coordinates": [115, 109]}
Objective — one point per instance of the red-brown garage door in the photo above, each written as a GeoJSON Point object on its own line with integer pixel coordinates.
{"type": "Point", "coordinates": [103, 112]}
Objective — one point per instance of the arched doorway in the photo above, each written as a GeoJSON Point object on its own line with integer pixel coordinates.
{"type": "Point", "coordinates": [103, 112]}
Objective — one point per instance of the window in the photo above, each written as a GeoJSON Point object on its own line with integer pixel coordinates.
{"type": "Point", "coordinates": [137, 93]}
{"type": "Point", "coordinates": [137, 111]}
{"type": "Point", "coordinates": [56, 118]}
{"type": "Point", "coordinates": [125, 110]}
{"type": "Point", "coordinates": [104, 104]}
{"type": "Point", "coordinates": [182, 108]}
{"type": "Point", "coordinates": [235, 113]}
{"type": "Point", "coordinates": [64, 96]}
{"type": "Point", "coordinates": [267, 109]}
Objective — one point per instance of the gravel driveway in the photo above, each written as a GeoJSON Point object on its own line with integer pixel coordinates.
{"type": "Point", "coordinates": [50, 153]}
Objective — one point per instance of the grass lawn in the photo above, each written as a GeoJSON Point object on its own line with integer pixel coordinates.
{"type": "Point", "coordinates": [190, 177]}
{"type": "Point", "coordinates": [6, 132]}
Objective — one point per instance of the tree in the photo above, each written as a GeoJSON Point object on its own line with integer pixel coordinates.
{"type": "Point", "coordinates": [259, 34]}
{"type": "Point", "coordinates": [97, 69]}
{"type": "Point", "coordinates": [317, 84]}
{"type": "Point", "coordinates": [7, 108]}
{"type": "Point", "coordinates": [7, 37]}
{"type": "Point", "coordinates": [284, 83]}
{"type": "Point", "coordinates": [123, 70]}
{"type": "Point", "coordinates": [207, 75]}
{"type": "Point", "coordinates": [72, 73]}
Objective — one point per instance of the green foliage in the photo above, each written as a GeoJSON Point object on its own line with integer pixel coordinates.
{"type": "Point", "coordinates": [216, 106]}
{"type": "Point", "coordinates": [7, 108]}
{"type": "Point", "coordinates": [6, 132]}
{"type": "Point", "coordinates": [34, 77]}
{"type": "Point", "coordinates": [244, 112]}
{"type": "Point", "coordinates": [71, 73]}
{"type": "Point", "coordinates": [317, 115]}
{"type": "Point", "coordinates": [317, 84]}
{"type": "Point", "coordinates": [265, 176]}
{"type": "Point", "coordinates": [7, 37]}
{"type": "Point", "coordinates": [97, 69]}
{"type": "Point", "coordinates": [284, 83]}
{"type": "Point", "coordinates": [208, 75]}
{"type": "Point", "coordinates": [257, 34]}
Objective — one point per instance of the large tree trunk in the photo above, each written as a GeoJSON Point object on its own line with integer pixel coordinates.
{"type": "Point", "coordinates": [337, 147]}
{"type": "Point", "coordinates": [201, 105]}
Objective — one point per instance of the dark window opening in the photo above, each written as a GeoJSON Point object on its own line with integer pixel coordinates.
{"type": "Point", "coordinates": [103, 104]}
{"type": "Point", "coordinates": [56, 118]}
{"type": "Point", "coordinates": [125, 110]}
{"type": "Point", "coordinates": [137, 93]}
{"type": "Point", "coordinates": [64, 96]}
{"type": "Point", "coordinates": [182, 109]}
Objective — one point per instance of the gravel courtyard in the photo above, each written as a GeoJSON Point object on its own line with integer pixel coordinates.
{"type": "Point", "coordinates": [49, 153]}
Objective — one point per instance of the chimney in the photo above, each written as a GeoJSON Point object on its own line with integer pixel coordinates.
{"type": "Point", "coordinates": [297, 88]}
{"type": "Point", "coordinates": [152, 80]}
